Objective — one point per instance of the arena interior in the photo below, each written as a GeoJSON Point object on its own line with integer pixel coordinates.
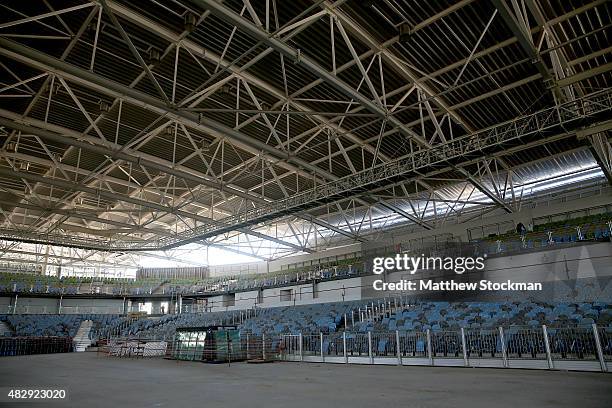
{"type": "Point", "coordinates": [335, 203]}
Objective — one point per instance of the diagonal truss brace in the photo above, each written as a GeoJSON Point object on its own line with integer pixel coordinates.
{"type": "Point", "coordinates": [480, 186]}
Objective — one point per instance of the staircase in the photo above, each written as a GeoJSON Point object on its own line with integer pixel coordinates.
{"type": "Point", "coordinates": [5, 330]}
{"type": "Point", "coordinates": [81, 340]}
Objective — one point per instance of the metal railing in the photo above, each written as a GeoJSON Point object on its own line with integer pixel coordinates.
{"type": "Point", "coordinates": [19, 346]}
{"type": "Point", "coordinates": [54, 310]}
{"type": "Point", "coordinates": [605, 342]}
{"type": "Point", "coordinates": [134, 348]}
{"type": "Point", "coordinates": [586, 348]}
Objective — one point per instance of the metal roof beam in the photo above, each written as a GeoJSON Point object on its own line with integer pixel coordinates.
{"type": "Point", "coordinates": [64, 184]}
{"type": "Point", "coordinates": [480, 186]}
{"type": "Point", "coordinates": [236, 251]}
{"type": "Point", "coordinates": [75, 74]}
{"type": "Point", "coordinates": [128, 156]}
{"type": "Point", "coordinates": [602, 151]}
{"type": "Point", "coordinates": [116, 152]}
{"type": "Point", "coordinates": [73, 212]}
{"type": "Point", "coordinates": [393, 60]}
{"type": "Point", "coordinates": [572, 79]}
{"type": "Point", "coordinates": [247, 27]}
{"type": "Point", "coordinates": [331, 227]}
{"type": "Point", "coordinates": [72, 73]}
{"type": "Point", "coordinates": [495, 138]}
{"type": "Point", "coordinates": [242, 73]}
{"type": "Point", "coordinates": [405, 214]}
{"type": "Point", "coordinates": [523, 35]}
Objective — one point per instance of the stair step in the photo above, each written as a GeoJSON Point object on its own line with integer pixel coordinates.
{"type": "Point", "coordinates": [81, 340]}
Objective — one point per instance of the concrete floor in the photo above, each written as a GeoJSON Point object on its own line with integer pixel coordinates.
{"type": "Point", "coordinates": [99, 381]}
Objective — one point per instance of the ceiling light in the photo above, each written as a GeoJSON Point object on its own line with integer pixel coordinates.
{"type": "Point", "coordinates": [190, 22]}
{"type": "Point", "coordinates": [405, 31]}
{"type": "Point", "coordinates": [225, 89]}
{"type": "Point", "coordinates": [103, 107]}
{"type": "Point", "coordinates": [154, 56]}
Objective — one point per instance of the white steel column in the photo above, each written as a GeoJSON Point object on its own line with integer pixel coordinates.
{"type": "Point", "coordinates": [600, 355]}
{"type": "Point", "coordinates": [547, 345]}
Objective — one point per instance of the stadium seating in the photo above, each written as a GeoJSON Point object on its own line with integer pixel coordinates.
{"type": "Point", "coordinates": [34, 283]}
{"type": "Point", "coordinates": [65, 325]}
{"type": "Point", "coordinates": [439, 316]}
{"type": "Point", "coordinates": [436, 316]}
{"type": "Point", "coordinates": [326, 317]}
{"type": "Point", "coordinates": [291, 319]}
{"type": "Point", "coordinates": [443, 319]}
{"type": "Point", "coordinates": [332, 270]}
{"type": "Point", "coordinates": [594, 227]}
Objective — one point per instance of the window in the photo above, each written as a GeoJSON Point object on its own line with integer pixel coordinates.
{"type": "Point", "coordinates": [286, 295]}
{"type": "Point", "coordinates": [229, 300]}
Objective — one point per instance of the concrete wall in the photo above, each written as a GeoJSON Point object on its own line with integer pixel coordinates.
{"type": "Point", "coordinates": [239, 269]}
{"type": "Point", "coordinates": [97, 305]}
{"type": "Point", "coordinates": [34, 305]}
{"type": "Point", "coordinates": [245, 300]}
{"type": "Point", "coordinates": [52, 305]}
{"type": "Point", "coordinates": [278, 264]}
{"type": "Point", "coordinates": [332, 291]}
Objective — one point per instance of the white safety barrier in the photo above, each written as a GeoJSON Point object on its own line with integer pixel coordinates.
{"type": "Point", "coordinates": [587, 348]}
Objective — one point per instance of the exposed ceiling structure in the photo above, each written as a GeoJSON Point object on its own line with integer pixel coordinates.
{"type": "Point", "coordinates": [275, 127]}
